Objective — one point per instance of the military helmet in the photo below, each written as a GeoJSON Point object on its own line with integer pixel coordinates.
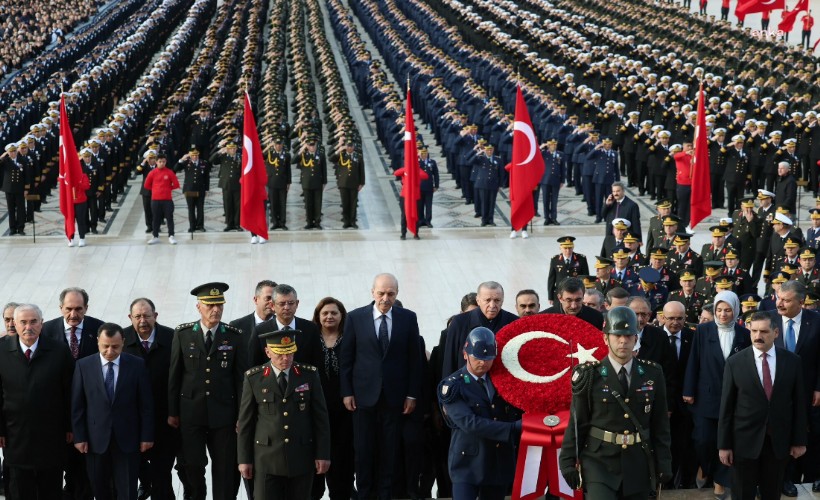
{"type": "Point", "coordinates": [621, 320]}
{"type": "Point", "coordinates": [480, 344]}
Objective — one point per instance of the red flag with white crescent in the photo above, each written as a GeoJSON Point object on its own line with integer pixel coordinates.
{"type": "Point", "coordinates": [411, 173]}
{"type": "Point", "coordinates": [526, 168]}
{"type": "Point", "coordinates": [254, 178]}
{"type": "Point", "coordinates": [701, 196]}
{"type": "Point", "coordinates": [751, 6]}
{"type": "Point", "coordinates": [70, 171]}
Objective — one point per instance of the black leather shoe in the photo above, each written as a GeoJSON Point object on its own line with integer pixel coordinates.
{"type": "Point", "coordinates": [416, 237]}
{"type": "Point", "coordinates": [789, 489]}
{"type": "Point", "coordinates": [403, 237]}
{"type": "Point", "coordinates": [147, 230]}
{"type": "Point", "coordinates": [547, 222]}
{"type": "Point", "coordinates": [556, 223]}
{"type": "Point", "coordinates": [143, 492]}
{"type": "Point", "coordinates": [309, 226]}
{"type": "Point", "coordinates": [283, 227]}
{"type": "Point", "coordinates": [356, 226]}
{"type": "Point", "coordinates": [816, 486]}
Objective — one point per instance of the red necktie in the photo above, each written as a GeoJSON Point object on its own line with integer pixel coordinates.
{"type": "Point", "coordinates": [73, 344]}
{"type": "Point", "coordinates": [28, 354]}
{"type": "Point", "coordinates": [767, 377]}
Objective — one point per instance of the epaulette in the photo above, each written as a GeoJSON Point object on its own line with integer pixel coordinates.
{"type": "Point", "coordinates": [582, 376]}
{"type": "Point", "coordinates": [449, 389]}
{"type": "Point", "coordinates": [581, 256]}
{"type": "Point", "coordinates": [232, 328]}
{"type": "Point", "coordinates": [650, 363]}
{"type": "Point", "coordinates": [306, 366]}
{"type": "Point", "coordinates": [255, 369]}
{"type": "Point", "coordinates": [185, 325]}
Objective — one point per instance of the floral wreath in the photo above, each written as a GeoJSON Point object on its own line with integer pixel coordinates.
{"type": "Point", "coordinates": [536, 355]}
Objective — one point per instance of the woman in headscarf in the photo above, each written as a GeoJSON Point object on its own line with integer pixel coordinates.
{"type": "Point", "coordinates": [712, 345]}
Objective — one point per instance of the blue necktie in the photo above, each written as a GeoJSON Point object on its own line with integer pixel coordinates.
{"type": "Point", "coordinates": [109, 380]}
{"type": "Point", "coordinates": [790, 341]}
{"type": "Point", "coordinates": [384, 339]}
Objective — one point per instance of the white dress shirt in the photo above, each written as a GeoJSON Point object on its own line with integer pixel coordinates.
{"type": "Point", "coordinates": [377, 321]}
{"type": "Point", "coordinates": [727, 338]}
{"type": "Point", "coordinates": [24, 347]}
{"type": "Point", "coordinates": [78, 332]}
{"type": "Point", "coordinates": [771, 358]}
{"type": "Point", "coordinates": [105, 368]}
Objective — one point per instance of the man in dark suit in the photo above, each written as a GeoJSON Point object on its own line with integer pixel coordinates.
{"type": "Point", "coordinates": [272, 437]}
{"type": "Point", "coordinates": [112, 415]}
{"type": "Point", "coordinates": [489, 314]}
{"type": "Point", "coordinates": [380, 377]}
{"type": "Point", "coordinates": [35, 407]}
{"type": "Point", "coordinates": [79, 332]}
{"type": "Point", "coordinates": [152, 342]}
{"type": "Point", "coordinates": [208, 361]}
{"type": "Point", "coordinates": [801, 335]}
{"type": "Point", "coordinates": [619, 206]}
{"type": "Point", "coordinates": [762, 423]}
{"type": "Point", "coordinates": [712, 344]}
{"type": "Point", "coordinates": [308, 338]}
{"type": "Point", "coordinates": [684, 460]}
{"type": "Point", "coordinates": [570, 293]}
{"type": "Point", "coordinates": [263, 310]}
{"type": "Point", "coordinates": [652, 342]}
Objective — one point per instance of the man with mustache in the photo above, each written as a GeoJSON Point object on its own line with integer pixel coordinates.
{"type": "Point", "coordinates": [79, 332]}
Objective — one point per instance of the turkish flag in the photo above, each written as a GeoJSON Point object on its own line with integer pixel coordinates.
{"type": "Point", "coordinates": [701, 198]}
{"type": "Point", "coordinates": [70, 171]}
{"type": "Point", "coordinates": [254, 178]}
{"type": "Point", "coordinates": [790, 16]}
{"type": "Point", "coordinates": [526, 168]}
{"type": "Point", "coordinates": [751, 6]}
{"type": "Point", "coordinates": [411, 173]}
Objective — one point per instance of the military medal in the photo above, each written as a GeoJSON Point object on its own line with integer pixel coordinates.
{"type": "Point", "coordinates": [224, 363]}
{"type": "Point", "coordinates": [302, 406]}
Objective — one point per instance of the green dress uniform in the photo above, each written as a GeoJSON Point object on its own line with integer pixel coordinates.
{"type": "Point", "coordinates": [279, 179]}
{"type": "Point", "coordinates": [283, 434]}
{"type": "Point", "coordinates": [705, 286]}
{"type": "Point", "coordinates": [314, 177]}
{"type": "Point", "coordinates": [203, 391]}
{"type": "Point", "coordinates": [693, 303]}
{"type": "Point", "coordinates": [350, 177]}
{"type": "Point", "coordinates": [603, 438]}
{"type": "Point", "coordinates": [230, 171]}
{"type": "Point", "coordinates": [561, 268]}
{"type": "Point", "coordinates": [710, 253]}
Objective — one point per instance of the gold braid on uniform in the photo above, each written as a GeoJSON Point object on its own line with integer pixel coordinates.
{"type": "Point", "coordinates": [343, 163]}
{"type": "Point", "coordinates": [308, 164]}
{"type": "Point", "coordinates": [582, 378]}
{"type": "Point", "coordinates": [274, 161]}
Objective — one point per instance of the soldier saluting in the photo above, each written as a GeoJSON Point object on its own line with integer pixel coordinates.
{"type": "Point", "coordinates": [617, 443]}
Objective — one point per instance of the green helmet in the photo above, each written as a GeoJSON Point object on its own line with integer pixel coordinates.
{"type": "Point", "coordinates": [621, 320]}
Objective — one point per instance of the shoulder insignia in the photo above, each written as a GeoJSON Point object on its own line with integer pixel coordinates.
{"type": "Point", "coordinates": [650, 363]}
{"type": "Point", "coordinates": [232, 329]}
{"type": "Point", "coordinates": [185, 325]}
{"type": "Point", "coordinates": [255, 369]}
{"type": "Point", "coordinates": [581, 256]}
{"type": "Point", "coordinates": [306, 366]}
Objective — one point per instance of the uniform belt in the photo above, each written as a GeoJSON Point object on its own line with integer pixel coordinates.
{"type": "Point", "coordinates": [624, 438]}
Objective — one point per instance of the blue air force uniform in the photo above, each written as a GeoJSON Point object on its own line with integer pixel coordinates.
{"type": "Point", "coordinates": [555, 172]}
{"type": "Point", "coordinates": [485, 433]}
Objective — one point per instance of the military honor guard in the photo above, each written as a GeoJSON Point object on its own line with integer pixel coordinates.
{"type": "Point", "coordinates": [555, 173]}
{"type": "Point", "coordinates": [428, 186]}
{"type": "Point", "coordinates": [350, 178]}
{"type": "Point", "coordinates": [311, 163]}
{"type": "Point", "coordinates": [195, 186]}
{"type": "Point", "coordinates": [16, 182]}
{"type": "Point", "coordinates": [284, 429]}
{"type": "Point", "coordinates": [230, 171]}
{"type": "Point", "coordinates": [485, 428]}
{"type": "Point", "coordinates": [208, 362]}
{"type": "Point", "coordinates": [566, 264]}
{"type": "Point", "coordinates": [617, 443]}
{"type": "Point", "coordinates": [277, 163]}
